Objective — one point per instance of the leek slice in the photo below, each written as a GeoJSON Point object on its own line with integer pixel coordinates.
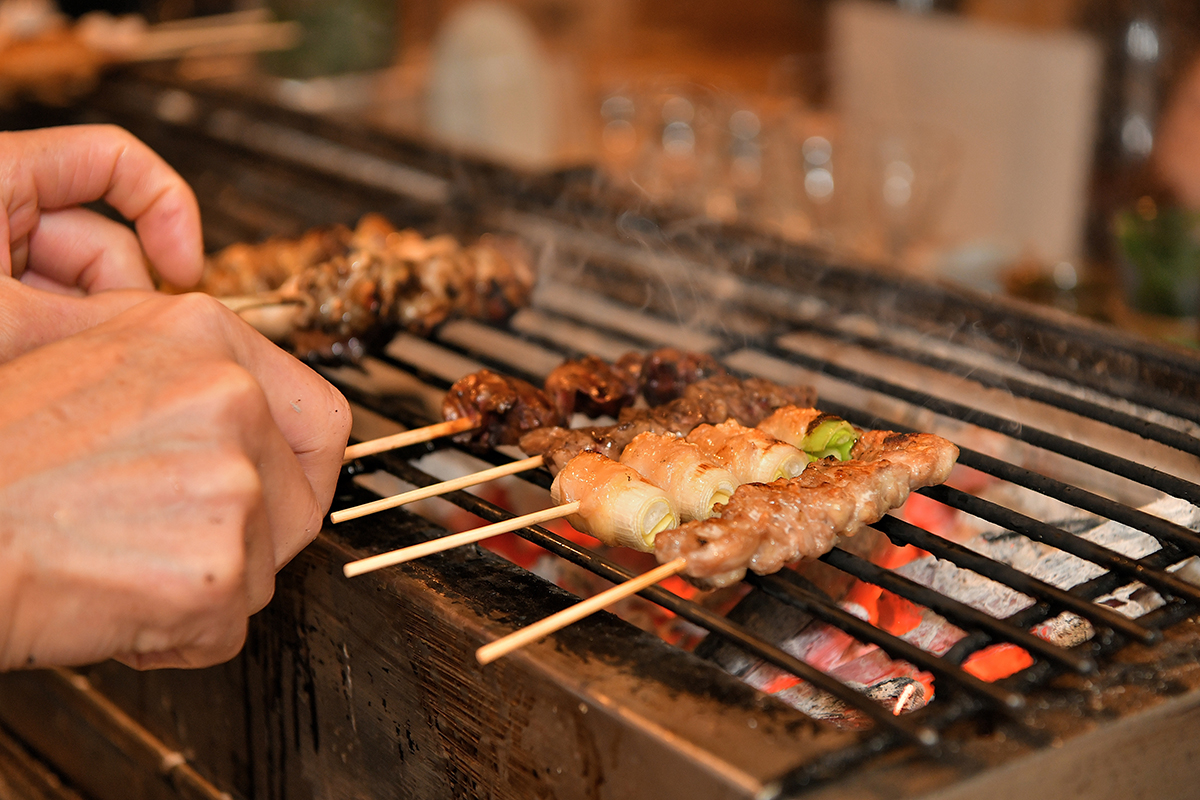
{"type": "Point", "coordinates": [830, 437]}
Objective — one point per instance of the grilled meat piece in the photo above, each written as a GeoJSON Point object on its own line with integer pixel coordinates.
{"type": "Point", "coordinates": [591, 386]}
{"type": "Point", "coordinates": [357, 286]}
{"type": "Point", "coordinates": [712, 400]}
{"type": "Point", "coordinates": [596, 388]}
{"type": "Point", "coordinates": [749, 453]}
{"type": "Point", "coordinates": [764, 526]}
{"type": "Point", "coordinates": [558, 445]}
{"type": "Point", "coordinates": [666, 372]}
{"type": "Point", "coordinates": [502, 407]}
{"type": "Point", "coordinates": [928, 458]}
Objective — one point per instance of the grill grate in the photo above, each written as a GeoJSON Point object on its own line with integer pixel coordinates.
{"type": "Point", "coordinates": [616, 280]}
{"type": "Point", "coordinates": [960, 694]}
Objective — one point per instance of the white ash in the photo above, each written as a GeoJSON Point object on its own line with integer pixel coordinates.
{"type": "Point", "coordinates": [1057, 568]}
{"type": "Point", "coordinates": [900, 695]}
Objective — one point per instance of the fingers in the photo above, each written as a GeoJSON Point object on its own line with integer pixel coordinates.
{"type": "Point", "coordinates": [76, 247]}
{"type": "Point", "coordinates": [57, 168]}
{"type": "Point", "coordinates": [309, 415]}
{"type": "Point", "coordinates": [312, 416]}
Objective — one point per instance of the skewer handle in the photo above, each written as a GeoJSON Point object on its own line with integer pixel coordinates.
{"type": "Point", "coordinates": [405, 438]}
{"type": "Point", "coordinates": [506, 644]}
{"type": "Point", "coordinates": [456, 540]}
{"type": "Point", "coordinates": [445, 487]}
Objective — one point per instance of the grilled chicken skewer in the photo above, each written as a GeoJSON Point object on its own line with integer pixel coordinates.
{"type": "Point", "coordinates": [335, 290]}
{"type": "Point", "coordinates": [601, 497]}
{"type": "Point", "coordinates": [919, 459]}
{"type": "Point", "coordinates": [674, 478]}
{"type": "Point", "coordinates": [499, 409]}
{"type": "Point", "coordinates": [502, 410]}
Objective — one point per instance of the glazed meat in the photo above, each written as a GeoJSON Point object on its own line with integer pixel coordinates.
{"type": "Point", "coordinates": [591, 386]}
{"type": "Point", "coordinates": [502, 407]}
{"type": "Point", "coordinates": [764, 526]}
{"type": "Point", "coordinates": [927, 458]}
{"type": "Point", "coordinates": [666, 372]}
{"type": "Point", "coordinates": [596, 388]}
{"type": "Point", "coordinates": [559, 445]}
{"type": "Point", "coordinates": [352, 287]}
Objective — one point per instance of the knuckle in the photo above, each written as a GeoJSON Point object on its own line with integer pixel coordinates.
{"type": "Point", "coordinates": [195, 308]}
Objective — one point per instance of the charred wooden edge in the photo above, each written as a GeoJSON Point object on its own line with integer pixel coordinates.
{"type": "Point", "coordinates": [95, 719]}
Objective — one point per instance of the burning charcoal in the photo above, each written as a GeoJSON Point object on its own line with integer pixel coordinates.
{"type": "Point", "coordinates": [901, 695]}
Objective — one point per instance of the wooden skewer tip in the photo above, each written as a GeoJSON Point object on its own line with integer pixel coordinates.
{"type": "Point", "coordinates": [404, 554]}
{"type": "Point", "coordinates": [406, 438]}
{"type": "Point", "coordinates": [542, 628]}
{"type": "Point", "coordinates": [435, 490]}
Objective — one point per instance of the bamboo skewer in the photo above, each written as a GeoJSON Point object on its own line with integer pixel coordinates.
{"type": "Point", "coordinates": [405, 438]}
{"type": "Point", "coordinates": [404, 554]}
{"type": "Point", "coordinates": [273, 317]}
{"type": "Point", "coordinates": [436, 489]}
{"type": "Point", "coordinates": [506, 644]}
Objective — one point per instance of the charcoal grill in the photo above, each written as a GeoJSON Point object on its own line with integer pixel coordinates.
{"type": "Point", "coordinates": [369, 688]}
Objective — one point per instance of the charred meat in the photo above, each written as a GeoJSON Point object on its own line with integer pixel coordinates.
{"type": "Point", "coordinates": [592, 387]}
{"type": "Point", "coordinates": [503, 409]}
{"type": "Point", "coordinates": [356, 286]}
{"type": "Point", "coordinates": [712, 400]}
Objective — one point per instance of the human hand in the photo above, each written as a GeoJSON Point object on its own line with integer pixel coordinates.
{"type": "Point", "coordinates": [158, 469]}
{"type": "Point", "coordinates": [54, 243]}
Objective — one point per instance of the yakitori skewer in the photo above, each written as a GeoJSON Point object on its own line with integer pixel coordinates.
{"type": "Point", "coordinates": [531, 633]}
{"type": "Point", "coordinates": [501, 409]}
{"type": "Point", "coordinates": [753, 456]}
{"type": "Point", "coordinates": [437, 489]}
{"type": "Point", "coordinates": [410, 437]}
{"type": "Point", "coordinates": [605, 499]}
{"type": "Point", "coordinates": [350, 287]}
{"type": "Point", "coordinates": [372, 563]}
{"type": "Point", "coordinates": [487, 408]}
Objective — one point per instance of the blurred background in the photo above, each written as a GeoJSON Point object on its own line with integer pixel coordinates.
{"type": "Point", "coordinates": [1048, 149]}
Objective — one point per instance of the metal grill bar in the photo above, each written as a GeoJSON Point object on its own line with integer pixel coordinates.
{"type": "Point", "coordinates": [1161, 529]}
{"type": "Point", "coordinates": [1116, 465]}
{"type": "Point", "coordinates": [781, 588]}
{"type": "Point", "coordinates": [1021, 388]}
{"type": "Point", "coordinates": [959, 613]}
{"type": "Point", "coordinates": [714, 623]}
{"type": "Point", "coordinates": [1067, 542]}
{"type": "Point", "coordinates": [902, 532]}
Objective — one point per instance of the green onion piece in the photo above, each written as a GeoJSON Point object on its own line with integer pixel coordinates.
{"type": "Point", "coordinates": [830, 437]}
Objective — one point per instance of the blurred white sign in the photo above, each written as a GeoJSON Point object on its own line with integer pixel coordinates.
{"type": "Point", "coordinates": [1015, 112]}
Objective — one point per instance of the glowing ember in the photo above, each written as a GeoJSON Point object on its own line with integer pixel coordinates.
{"type": "Point", "coordinates": [904, 698]}
{"type": "Point", "coordinates": [998, 661]}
